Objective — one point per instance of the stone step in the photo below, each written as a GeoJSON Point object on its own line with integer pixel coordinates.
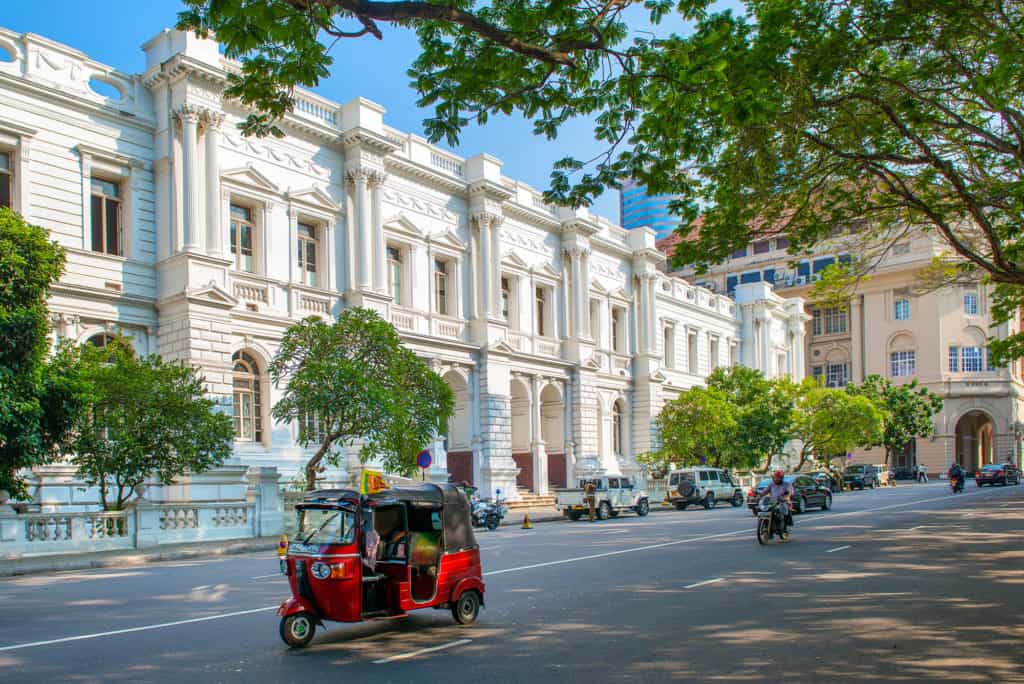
{"type": "Point", "coordinates": [528, 499]}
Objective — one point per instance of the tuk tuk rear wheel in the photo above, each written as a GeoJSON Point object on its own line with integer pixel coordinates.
{"type": "Point", "coordinates": [297, 630]}
{"type": "Point", "coordinates": [466, 608]}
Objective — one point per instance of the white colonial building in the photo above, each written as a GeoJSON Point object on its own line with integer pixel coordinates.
{"type": "Point", "coordinates": [556, 329]}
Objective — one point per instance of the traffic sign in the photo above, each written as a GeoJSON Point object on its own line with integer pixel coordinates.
{"type": "Point", "coordinates": [424, 460]}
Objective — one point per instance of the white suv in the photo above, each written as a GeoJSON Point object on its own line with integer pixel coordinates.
{"type": "Point", "coordinates": [703, 485]}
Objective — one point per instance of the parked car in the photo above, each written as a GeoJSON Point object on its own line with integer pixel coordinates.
{"type": "Point", "coordinates": [997, 473]}
{"type": "Point", "coordinates": [807, 493]}
{"type": "Point", "coordinates": [612, 495]}
{"type": "Point", "coordinates": [826, 479]}
{"type": "Point", "coordinates": [860, 476]}
{"type": "Point", "coordinates": [702, 485]}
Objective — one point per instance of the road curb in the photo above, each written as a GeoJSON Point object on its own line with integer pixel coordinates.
{"type": "Point", "coordinates": [51, 564]}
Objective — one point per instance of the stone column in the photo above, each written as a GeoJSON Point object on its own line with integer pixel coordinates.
{"type": "Point", "coordinates": [214, 220]}
{"type": "Point", "coordinates": [538, 448]}
{"type": "Point", "coordinates": [640, 307]}
{"type": "Point", "coordinates": [363, 251]}
{"type": "Point", "coordinates": [380, 281]}
{"type": "Point", "coordinates": [652, 311]}
{"type": "Point", "coordinates": [566, 330]}
{"type": "Point", "coordinates": [585, 292]}
{"type": "Point", "coordinates": [856, 341]}
{"type": "Point", "coordinates": [189, 117]}
{"type": "Point", "coordinates": [483, 221]}
{"type": "Point", "coordinates": [496, 258]}
{"type": "Point", "coordinates": [577, 281]}
{"type": "Point", "coordinates": [474, 276]}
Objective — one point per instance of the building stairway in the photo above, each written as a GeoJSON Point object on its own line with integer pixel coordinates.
{"type": "Point", "coordinates": [528, 499]}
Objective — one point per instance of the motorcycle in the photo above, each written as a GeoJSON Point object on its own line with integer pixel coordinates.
{"type": "Point", "coordinates": [770, 521]}
{"type": "Point", "coordinates": [956, 484]}
{"type": "Point", "coordinates": [488, 514]}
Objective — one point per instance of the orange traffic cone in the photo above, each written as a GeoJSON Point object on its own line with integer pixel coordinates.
{"type": "Point", "coordinates": [527, 525]}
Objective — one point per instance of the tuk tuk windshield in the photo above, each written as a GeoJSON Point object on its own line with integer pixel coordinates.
{"type": "Point", "coordinates": [327, 526]}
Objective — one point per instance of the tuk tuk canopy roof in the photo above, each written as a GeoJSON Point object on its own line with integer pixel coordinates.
{"type": "Point", "coordinates": [458, 527]}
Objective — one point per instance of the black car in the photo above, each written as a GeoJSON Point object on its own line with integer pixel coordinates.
{"type": "Point", "coordinates": [861, 476]}
{"type": "Point", "coordinates": [807, 493]}
{"type": "Point", "coordinates": [997, 473]}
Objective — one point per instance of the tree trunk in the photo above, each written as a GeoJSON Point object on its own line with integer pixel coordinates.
{"type": "Point", "coordinates": [314, 464]}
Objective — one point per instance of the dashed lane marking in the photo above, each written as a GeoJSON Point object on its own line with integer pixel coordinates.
{"type": "Point", "coordinates": [413, 654]}
{"type": "Point", "coordinates": [838, 548]}
{"type": "Point", "coordinates": [704, 583]}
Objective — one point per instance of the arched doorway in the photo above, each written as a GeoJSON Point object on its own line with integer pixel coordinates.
{"type": "Point", "coordinates": [552, 431]}
{"type": "Point", "coordinates": [520, 408]}
{"type": "Point", "coordinates": [974, 440]}
{"type": "Point", "coordinates": [457, 443]}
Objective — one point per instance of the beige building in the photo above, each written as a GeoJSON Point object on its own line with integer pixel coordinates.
{"type": "Point", "coordinates": [893, 330]}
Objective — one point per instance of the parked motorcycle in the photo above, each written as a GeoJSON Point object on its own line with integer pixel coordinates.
{"type": "Point", "coordinates": [770, 521]}
{"type": "Point", "coordinates": [488, 514]}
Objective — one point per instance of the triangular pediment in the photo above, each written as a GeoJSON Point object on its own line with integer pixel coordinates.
{"type": "Point", "coordinates": [249, 177]}
{"type": "Point", "coordinates": [447, 239]}
{"type": "Point", "coordinates": [592, 364]}
{"type": "Point", "coordinates": [213, 294]}
{"type": "Point", "coordinates": [545, 271]}
{"type": "Point", "coordinates": [620, 294]}
{"type": "Point", "coordinates": [502, 346]}
{"type": "Point", "coordinates": [657, 376]}
{"type": "Point", "coordinates": [513, 260]}
{"type": "Point", "coordinates": [314, 197]}
{"type": "Point", "coordinates": [402, 225]}
{"type": "Point", "coordinates": [596, 286]}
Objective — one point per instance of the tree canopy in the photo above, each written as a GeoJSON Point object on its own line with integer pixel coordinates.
{"type": "Point", "coordinates": [697, 427]}
{"type": "Point", "coordinates": [38, 398]}
{"type": "Point", "coordinates": [764, 413]}
{"type": "Point", "coordinates": [830, 422]}
{"type": "Point", "coordinates": [909, 410]}
{"type": "Point", "coordinates": [352, 381]}
{"type": "Point", "coordinates": [142, 416]}
{"type": "Point", "coordinates": [794, 118]}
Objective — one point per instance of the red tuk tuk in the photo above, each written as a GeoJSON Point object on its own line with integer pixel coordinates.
{"type": "Point", "coordinates": [379, 556]}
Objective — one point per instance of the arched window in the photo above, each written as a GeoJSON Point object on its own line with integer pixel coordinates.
{"type": "Point", "coordinates": [100, 339]}
{"type": "Point", "coordinates": [618, 436]}
{"type": "Point", "coordinates": [248, 404]}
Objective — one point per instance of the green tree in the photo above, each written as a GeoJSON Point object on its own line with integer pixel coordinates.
{"type": "Point", "coordinates": [143, 417]}
{"type": "Point", "coordinates": [908, 410]}
{"type": "Point", "coordinates": [831, 422]}
{"type": "Point", "coordinates": [38, 400]}
{"type": "Point", "coordinates": [764, 413]}
{"type": "Point", "coordinates": [353, 381]}
{"type": "Point", "coordinates": [697, 426]}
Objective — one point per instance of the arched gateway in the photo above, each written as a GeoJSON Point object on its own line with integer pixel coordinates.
{"type": "Point", "coordinates": [974, 440]}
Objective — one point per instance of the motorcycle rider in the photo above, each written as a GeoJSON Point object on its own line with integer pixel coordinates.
{"type": "Point", "coordinates": [956, 472]}
{"type": "Point", "coordinates": [782, 491]}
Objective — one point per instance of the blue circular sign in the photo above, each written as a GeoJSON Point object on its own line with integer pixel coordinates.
{"type": "Point", "coordinates": [424, 459]}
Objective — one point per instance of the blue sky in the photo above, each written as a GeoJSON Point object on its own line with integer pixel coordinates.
{"type": "Point", "coordinates": [363, 67]}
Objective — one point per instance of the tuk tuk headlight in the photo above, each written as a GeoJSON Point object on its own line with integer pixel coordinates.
{"type": "Point", "coordinates": [320, 570]}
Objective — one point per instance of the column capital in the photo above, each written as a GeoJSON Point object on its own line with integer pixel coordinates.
{"type": "Point", "coordinates": [360, 173]}
{"type": "Point", "coordinates": [487, 219]}
{"type": "Point", "coordinates": [212, 119]}
{"type": "Point", "coordinates": [375, 178]}
{"type": "Point", "coordinates": [188, 113]}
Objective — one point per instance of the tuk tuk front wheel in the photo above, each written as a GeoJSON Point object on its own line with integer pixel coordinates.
{"type": "Point", "coordinates": [466, 608]}
{"type": "Point", "coordinates": [297, 630]}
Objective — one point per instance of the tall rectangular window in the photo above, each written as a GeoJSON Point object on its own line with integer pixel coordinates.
{"type": "Point", "coordinates": [6, 180]}
{"type": "Point", "coordinates": [971, 303]}
{"type": "Point", "coordinates": [781, 243]}
{"type": "Point", "coordinates": [540, 295]}
{"type": "Point", "coordinates": [816, 372]}
{"type": "Point", "coordinates": [242, 230]}
{"type": "Point", "coordinates": [954, 359]}
{"type": "Point", "coordinates": [307, 250]}
{"type": "Point", "coordinates": [506, 298]}
{"type": "Point", "coordinates": [901, 309]}
{"type": "Point", "coordinates": [835, 320]}
{"type": "Point", "coordinates": [816, 322]}
{"type": "Point", "coordinates": [107, 236]}
{"type": "Point", "coordinates": [395, 274]}
{"type": "Point", "coordinates": [988, 360]}
{"type": "Point", "coordinates": [691, 353]}
{"type": "Point", "coordinates": [669, 346]}
{"type": "Point", "coordinates": [902, 364]}
{"type": "Point", "coordinates": [441, 287]}
{"type": "Point", "coordinates": [971, 359]}
{"type": "Point", "coordinates": [713, 353]}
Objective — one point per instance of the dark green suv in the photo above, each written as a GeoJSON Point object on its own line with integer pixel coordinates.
{"type": "Point", "coordinates": [861, 476]}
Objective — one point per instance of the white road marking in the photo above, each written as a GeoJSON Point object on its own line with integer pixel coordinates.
{"type": "Point", "coordinates": [838, 548]}
{"type": "Point", "coordinates": [619, 552]}
{"type": "Point", "coordinates": [273, 574]}
{"type": "Point", "coordinates": [615, 553]}
{"type": "Point", "coordinates": [143, 628]}
{"type": "Point", "coordinates": [705, 583]}
{"type": "Point", "coordinates": [413, 654]}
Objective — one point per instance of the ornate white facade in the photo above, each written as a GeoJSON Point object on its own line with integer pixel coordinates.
{"type": "Point", "coordinates": [555, 328]}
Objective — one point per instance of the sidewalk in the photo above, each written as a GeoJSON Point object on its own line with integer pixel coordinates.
{"type": "Point", "coordinates": [120, 559]}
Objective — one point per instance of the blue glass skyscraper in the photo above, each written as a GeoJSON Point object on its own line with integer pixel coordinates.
{"type": "Point", "coordinates": [637, 208]}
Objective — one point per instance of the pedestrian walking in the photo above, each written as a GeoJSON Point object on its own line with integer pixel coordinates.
{"type": "Point", "coordinates": [589, 490]}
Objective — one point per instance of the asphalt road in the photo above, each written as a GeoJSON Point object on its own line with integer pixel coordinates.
{"type": "Point", "coordinates": [903, 584]}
